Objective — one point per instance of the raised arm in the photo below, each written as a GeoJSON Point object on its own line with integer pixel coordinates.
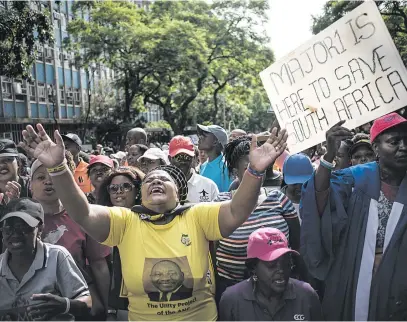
{"type": "Point", "coordinates": [93, 219]}
{"type": "Point", "coordinates": [234, 213]}
{"type": "Point", "coordinates": [334, 137]}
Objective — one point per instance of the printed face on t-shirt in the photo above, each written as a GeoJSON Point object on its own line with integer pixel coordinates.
{"type": "Point", "coordinates": [166, 276]}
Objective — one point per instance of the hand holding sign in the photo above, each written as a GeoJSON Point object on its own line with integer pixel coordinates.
{"type": "Point", "coordinates": [334, 137]}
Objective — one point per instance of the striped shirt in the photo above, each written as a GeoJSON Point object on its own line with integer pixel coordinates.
{"type": "Point", "coordinates": [232, 251]}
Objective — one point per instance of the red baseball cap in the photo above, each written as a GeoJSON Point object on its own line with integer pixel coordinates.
{"type": "Point", "coordinates": [181, 144]}
{"type": "Point", "coordinates": [101, 159]}
{"type": "Point", "coordinates": [268, 244]}
{"type": "Point", "coordinates": [384, 123]}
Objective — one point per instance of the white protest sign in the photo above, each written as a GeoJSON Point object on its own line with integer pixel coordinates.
{"type": "Point", "coordinates": [350, 71]}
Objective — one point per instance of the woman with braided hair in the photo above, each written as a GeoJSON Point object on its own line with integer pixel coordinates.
{"type": "Point", "coordinates": [163, 245]}
{"type": "Point", "coordinates": [273, 209]}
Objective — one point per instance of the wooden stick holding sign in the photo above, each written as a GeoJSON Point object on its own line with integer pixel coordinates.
{"type": "Point", "coordinates": [350, 71]}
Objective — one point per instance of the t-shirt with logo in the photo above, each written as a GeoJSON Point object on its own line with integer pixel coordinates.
{"type": "Point", "coordinates": [81, 177]}
{"type": "Point", "coordinates": [166, 271]}
{"type": "Point", "coordinates": [60, 229]}
{"type": "Point", "coordinates": [201, 189]}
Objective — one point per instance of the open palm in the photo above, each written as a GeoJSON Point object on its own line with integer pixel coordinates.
{"type": "Point", "coordinates": [41, 147]}
{"type": "Point", "coordinates": [264, 156]}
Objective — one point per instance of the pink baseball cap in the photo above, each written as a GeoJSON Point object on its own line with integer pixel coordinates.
{"type": "Point", "coordinates": [101, 159]}
{"type": "Point", "coordinates": [268, 244]}
{"type": "Point", "coordinates": [384, 123]}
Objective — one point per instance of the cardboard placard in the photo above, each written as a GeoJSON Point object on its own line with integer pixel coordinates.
{"type": "Point", "coordinates": [350, 71]}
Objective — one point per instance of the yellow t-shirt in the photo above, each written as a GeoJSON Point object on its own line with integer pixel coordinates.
{"type": "Point", "coordinates": [166, 269]}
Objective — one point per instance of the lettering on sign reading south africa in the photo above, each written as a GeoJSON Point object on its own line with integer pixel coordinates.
{"type": "Point", "coordinates": [350, 71]}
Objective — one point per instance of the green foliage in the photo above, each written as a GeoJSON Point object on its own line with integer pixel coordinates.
{"type": "Point", "coordinates": [20, 28]}
{"type": "Point", "coordinates": [394, 14]}
{"type": "Point", "coordinates": [189, 58]}
{"type": "Point", "coordinates": [158, 124]}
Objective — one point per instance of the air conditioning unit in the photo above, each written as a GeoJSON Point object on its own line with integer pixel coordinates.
{"type": "Point", "coordinates": [49, 89]}
{"type": "Point", "coordinates": [70, 94]}
{"type": "Point", "coordinates": [49, 53]}
{"type": "Point", "coordinates": [65, 55]}
{"type": "Point", "coordinates": [17, 88]}
{"type": "Point", "coordinates": [57, 16]}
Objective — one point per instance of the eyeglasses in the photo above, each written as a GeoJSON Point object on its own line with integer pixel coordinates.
{"type": "Point", "coordinates": [20, 230]}
{"type": "Point", "coordinates": [124, 187]}
{"type": "Point", "coordinates": [181, 158]}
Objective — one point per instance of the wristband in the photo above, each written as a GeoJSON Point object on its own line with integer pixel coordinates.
{"type": "Point", "coordinates": [55, 174]}
{"type": "Point", "coordinates": [113, 312]}
{"type": "Point", "coordinates": [326, 164]}
{"type": "Point", "coordinates": [68, 305]}
{"type": "Point", "coordinates": [58, 168]}
{"type": "Point", "coordinates": [254, 173]}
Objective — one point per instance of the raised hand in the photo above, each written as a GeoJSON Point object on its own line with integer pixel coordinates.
{"type": "Point", "coordinates": [264, 156]}
{"type": "Point", "coordinates": [41, 147]}
{"type": "Point", "coordinates": [334, 136]}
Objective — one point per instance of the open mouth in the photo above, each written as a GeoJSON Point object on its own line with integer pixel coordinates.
{"type": "Point", "coordinates": [49, 190]}
{"type": "Point", "coordinates": [4, 171]}
{"type": "Point", "coordinates": [157, 190]}
{"type": "Point", "coordinates": [16, 244]}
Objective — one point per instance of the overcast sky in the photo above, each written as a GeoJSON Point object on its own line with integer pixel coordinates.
{"type": "Point", "coordinates": [290, 23]}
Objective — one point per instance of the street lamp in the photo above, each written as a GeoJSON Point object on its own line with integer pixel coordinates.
{"type": "Point", "coordinates": [51, 99]}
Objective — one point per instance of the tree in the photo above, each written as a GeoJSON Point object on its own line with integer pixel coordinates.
{"type": "Point", "coordinates": [21, 26]}
{"type": "Point", "coordinates": [394, 14]}
{"type": "Point", "coordinates": [173, 53]}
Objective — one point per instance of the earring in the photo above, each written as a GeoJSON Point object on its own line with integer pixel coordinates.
{"type": "Point", "coordinates": [255, 278]}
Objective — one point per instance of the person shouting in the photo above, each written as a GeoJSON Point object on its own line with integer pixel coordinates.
{"type": "Point", "coordinates": [354, 228]}
{"type": "Point", "coordinates": [158, 229]}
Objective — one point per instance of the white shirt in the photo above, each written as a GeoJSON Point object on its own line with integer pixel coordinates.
{"type": "Point", "coordinates": [201, 189]}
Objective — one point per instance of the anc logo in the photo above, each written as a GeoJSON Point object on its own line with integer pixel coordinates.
{"type": "Point", "coordinates": [80, 179]}
{"type": "Point", "coordinates": [185, 240]}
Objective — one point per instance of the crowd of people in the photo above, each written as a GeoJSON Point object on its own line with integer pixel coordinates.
{"type": "Point", "coordinates": [233, 229]}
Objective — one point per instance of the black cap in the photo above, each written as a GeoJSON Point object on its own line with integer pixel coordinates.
{"type": "Point", "coordinates": [8, 148]}
{"type": "Point", "coordinates": [72, 137]}
{"type": "Point", "coordinates": [25, 208]}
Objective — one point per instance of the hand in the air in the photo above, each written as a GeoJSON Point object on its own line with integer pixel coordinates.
{"type": "Point", "coordinates": [41, 147]}
{"type": "Point", "coordinates": [264, 156]}
{"type": "Point", "coordinates": [334, 136]}
{"type": "Point", "coordinates": [52, 306]}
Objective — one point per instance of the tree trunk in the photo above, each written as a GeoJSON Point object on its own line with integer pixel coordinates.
{"type": "Point", "coordinates": [127, 100]}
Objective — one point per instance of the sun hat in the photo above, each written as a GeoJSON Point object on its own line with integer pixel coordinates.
{"type": "Point", "coordinates": [268, 244]}
{"type": "Point", "coordinates": [154, 154]}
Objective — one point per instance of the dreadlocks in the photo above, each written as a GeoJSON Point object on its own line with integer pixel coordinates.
{"type": "Point", "coordinates": [236, 149]}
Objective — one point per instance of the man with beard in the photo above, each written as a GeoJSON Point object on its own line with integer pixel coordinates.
{"type": "Point", "coordinates": [181, 155]}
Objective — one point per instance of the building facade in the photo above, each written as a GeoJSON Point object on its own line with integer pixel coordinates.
{"type": "Point", "coordinates": [59, 93]}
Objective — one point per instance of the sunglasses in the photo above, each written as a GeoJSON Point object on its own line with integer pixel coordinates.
{"type": "Point", "coordinates": [124, 187]}
{"type": "Point", "coordinates": [181, 158]}
{"type": "Point", "coordinates": [20, 230]}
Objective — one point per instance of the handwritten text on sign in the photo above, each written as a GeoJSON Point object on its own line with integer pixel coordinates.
{"type": "Point", "coordinates": [350, 71]}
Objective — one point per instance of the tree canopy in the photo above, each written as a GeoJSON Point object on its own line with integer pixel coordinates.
{"type": "Point", "coordinates": [394, 14]}
{"type": "Point", "coordinates": [195, 60]}
{"type": "Point", "coordinates": [21, 26]}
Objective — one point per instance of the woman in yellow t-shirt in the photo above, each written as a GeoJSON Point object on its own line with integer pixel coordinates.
{"type": "Point", "coordinates": [164, 248]}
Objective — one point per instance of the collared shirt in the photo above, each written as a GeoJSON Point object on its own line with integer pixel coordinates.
{"type": "Point", "coordinates": [299, 303]}
{"type": "Point", "coordinates": [217, 171]}
{"type": "Point", "coordinates": [53, 271]}
{"type": "Point", "coordinates": [81, 177]}
{"type": "Point", "coordinates": [201, 189]}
